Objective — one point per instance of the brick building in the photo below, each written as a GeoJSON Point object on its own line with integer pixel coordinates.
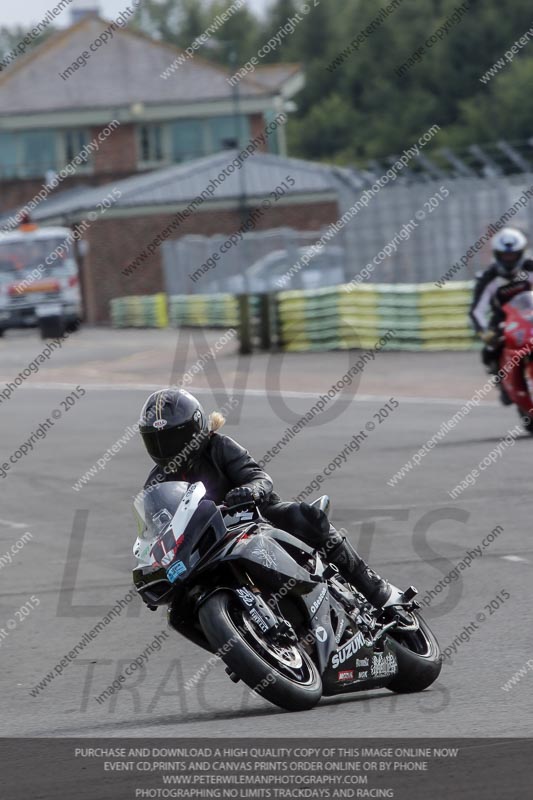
{"type": "Point", "coordinates": [167, 199]}
{"type": "Point", "coordinates": [58, 98]}
{"type": "Point", "coordinates": [158, 136]}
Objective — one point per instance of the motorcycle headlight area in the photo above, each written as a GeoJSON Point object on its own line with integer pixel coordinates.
{"type": "Point", "coordinates": [153, 585]}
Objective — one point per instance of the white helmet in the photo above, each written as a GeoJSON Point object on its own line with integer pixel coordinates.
{"type": "Point", "coordinates": [508, 247]}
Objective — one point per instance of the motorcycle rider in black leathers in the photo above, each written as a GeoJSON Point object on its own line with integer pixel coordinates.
{"type": "Point", "coordinates": [186, 446]}
{"type": "Point", "coordinates": [509, 275]}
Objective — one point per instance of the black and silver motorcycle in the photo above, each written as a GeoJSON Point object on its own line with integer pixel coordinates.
{"type": "Point", "coordinates": [281, 619]}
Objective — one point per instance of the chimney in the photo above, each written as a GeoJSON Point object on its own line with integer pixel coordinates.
{"type": "Point", "coordinates": [83, 8]}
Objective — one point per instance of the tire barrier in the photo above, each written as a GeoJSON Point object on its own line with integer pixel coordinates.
{"type": "Point", "coordinates": [422, 316]}
{"type": "Point", "coordinates": [204, 310]}
{"type": "Point", "coordinates": [147, 311]}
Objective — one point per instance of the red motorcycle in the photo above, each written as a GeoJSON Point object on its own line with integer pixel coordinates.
{"type": "Point", "coordinates": [517, 357]}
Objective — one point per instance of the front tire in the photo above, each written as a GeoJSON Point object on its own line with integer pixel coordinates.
{"type": "Point", "coordinates": [73, 326]}
{"type": "Point", "coordinates": [285, 676]}
{"type": "Point", "coordinates": [419, 659]}
{"type": "Point", "coordinates": [527, 421]}
{"type": "Point", "coordinates": [52, 327]}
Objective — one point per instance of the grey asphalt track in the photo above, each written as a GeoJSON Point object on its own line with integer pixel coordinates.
{"type": "Point", "coordinates": [412, 533]}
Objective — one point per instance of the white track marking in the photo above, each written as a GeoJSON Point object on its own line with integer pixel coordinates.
{"type": "Point", "coordinates": [515, 558]}
{"type": "Point", "coordinates": [364, 398]}
{"type": "Point", "coordinates": [9, 524]}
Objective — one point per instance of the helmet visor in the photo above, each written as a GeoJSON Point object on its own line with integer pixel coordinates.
{"type": "Point", "coordinates": [174, 447]}
{"type": "Point", "coordinates": [508, 258]}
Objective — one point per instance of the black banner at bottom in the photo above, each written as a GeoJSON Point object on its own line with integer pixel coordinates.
{"type": "Point", "coordinates": [297, 769]}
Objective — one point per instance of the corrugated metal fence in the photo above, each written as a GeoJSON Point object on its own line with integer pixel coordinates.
{"type": "Point", "coordinates": [441, 220]}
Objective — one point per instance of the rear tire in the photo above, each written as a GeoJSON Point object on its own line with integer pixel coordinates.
{"type": "Point", "coordinates": [419, 659]}
{"type": "Point", "coordinates": [234, 638]}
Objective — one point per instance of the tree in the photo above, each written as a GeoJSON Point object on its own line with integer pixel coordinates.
{"type": "Point", "coordinates": [363, 107]}
{"type": "Point", "coordinates": [176, 22]}
{"type": "Point", "coordinates": [277, 17]}
{"type": "Point", "coordinates": [10, 38]}
{"type": "Point", "coordinates": [238, 35]}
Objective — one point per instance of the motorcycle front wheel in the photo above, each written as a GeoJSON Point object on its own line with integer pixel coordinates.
{"type": "Point", "coordinates": [283, 674]}
{"type": "Point", "coordinates": [527, 421]}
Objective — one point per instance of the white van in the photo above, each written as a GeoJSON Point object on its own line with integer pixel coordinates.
{"type": "Point", "coordinates": [39, 280]}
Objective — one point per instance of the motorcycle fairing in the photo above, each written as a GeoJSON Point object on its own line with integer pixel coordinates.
{"type": "Point", "coordinates": [518, 336]}
{"type": "Point", "coordinates": [367, 667]}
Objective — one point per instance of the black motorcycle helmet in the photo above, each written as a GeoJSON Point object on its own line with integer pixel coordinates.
{"type": "Point", "coordinates": [174, 428]}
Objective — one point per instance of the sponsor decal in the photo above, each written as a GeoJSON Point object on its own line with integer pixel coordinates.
{"type": "Point", "coordinates": [176, 570]}
{"type": "Point", "coordinates": [246, 596]}
{"type": "Point", "coordinates": [318, 601]}
{"type": "Point", "coordinates": [258, 619]}
{"type": "Point", "coordinates": [338, 635]}
{"type": "Point", "coordinates": [383, 666]}
{"type": "Point", "coordinates": [361, 662]}
{"type": "Point", "coordinates": [186, 499]}
{"type": "Point", "coordinates": [140, 552]}
{"type": "Point", "coordinates": [197, 416]}
{"type": "Point", "coordinates": [346, 675]}
{"type": "Point", "coordinates": [349, 649]}
{"type": "Point", "coordinates": [362, 674]}
{"type": "Point", "coordinates": [160, 423]}
{"type": "Point", "coordinates": [265, 555]}
{"type": "Point", "coordinates": [321, 634]}
{"type": "Point", "coordinates": [167, 559]}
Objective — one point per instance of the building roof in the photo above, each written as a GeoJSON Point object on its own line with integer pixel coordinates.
{"type": "Point", "coordinates": [274, 76]}
{"type": "Point", "coordinates": [177, 186]}
{"type": "Point", "coordinates": [121, 73]}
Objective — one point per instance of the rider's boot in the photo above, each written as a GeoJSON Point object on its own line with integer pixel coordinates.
{"type": "Point", "coordinates": [337, 550]}
{"type": "Point", "coordinates": [505, 400]}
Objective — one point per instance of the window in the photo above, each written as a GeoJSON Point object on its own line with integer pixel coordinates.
{"type": "Point", "coordinates": [27, 154]}
{"type": "Point", "coordinates": [187, 139]}
{"type": "Point", "coordinates": [37, 152]}
{"type": "Point", "coordinates": [227, 133]}
{"type": "Point", "coordinates": [151, 143]}
{"type": "Point", "coordinates": [8, 155]}
{"type": "Point", "coordinates": [74, 142]}
{"type": "Point", "coordinates": [32, 154]}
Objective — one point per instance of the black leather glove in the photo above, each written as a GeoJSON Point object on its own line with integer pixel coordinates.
{"type": "Point", "coordinates": [241, 495]}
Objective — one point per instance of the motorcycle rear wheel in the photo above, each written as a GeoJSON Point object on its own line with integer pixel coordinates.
{"type": "Point", "coordinates": [285, 676]}
{"type": "Point", "coordinates": [419, 659]}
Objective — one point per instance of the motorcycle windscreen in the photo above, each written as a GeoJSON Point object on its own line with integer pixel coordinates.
{"type": "Point", "coordinates": [167, 510]}
{"type": "Point", "coordinates": [156, 506]}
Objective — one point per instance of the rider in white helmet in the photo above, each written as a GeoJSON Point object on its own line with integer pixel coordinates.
{"type": "Point", "coordinates": [509, 274]}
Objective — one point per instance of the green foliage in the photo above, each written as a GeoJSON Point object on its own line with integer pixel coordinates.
{"type": "Point", "coordinates": [11, 37]}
